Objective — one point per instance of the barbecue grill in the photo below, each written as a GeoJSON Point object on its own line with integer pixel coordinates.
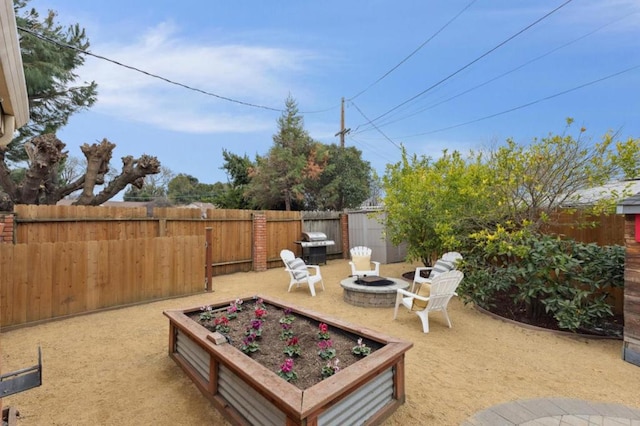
{"type": "Point", "coordinates": [314, 247]}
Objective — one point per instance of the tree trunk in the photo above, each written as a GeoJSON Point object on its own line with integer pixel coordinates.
{"type": "Point", "coordinates": [41, 182]}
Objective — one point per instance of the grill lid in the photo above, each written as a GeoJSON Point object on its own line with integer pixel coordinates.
{"type": "Point", "coordinates": [313, 236]}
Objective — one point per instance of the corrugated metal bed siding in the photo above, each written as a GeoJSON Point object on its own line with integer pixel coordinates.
{"type": "Point", "coordinates": [360, 405]}
{"type": "Point", "coordinates": [194, 354]}
{"type": "Point", "coordinates": [253, 406]}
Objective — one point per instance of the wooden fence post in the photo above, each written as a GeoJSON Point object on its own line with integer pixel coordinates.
{"type": "Point", "coordinates": [209, 258]}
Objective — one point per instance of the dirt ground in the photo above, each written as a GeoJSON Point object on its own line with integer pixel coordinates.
{"type": "Point", "coordinates": [112, 368]}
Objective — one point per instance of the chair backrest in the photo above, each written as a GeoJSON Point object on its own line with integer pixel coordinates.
{"type": "Point", "coordinates": [360, 251]}
{"type": "Point", "coordinates": [443, 288]}
{"type": "Point", "coordinates": [445, 264]}
{"type": "Point", "coordinates": [296, 266]}
{"type": "Point", "coordinates": [361, 258]}
{"type": "Point", "coordinates": [287, 256]}
{"type": "Point", "coordinates": [440, 267]}
{"type": "Point", "coordinates": [452, 256]}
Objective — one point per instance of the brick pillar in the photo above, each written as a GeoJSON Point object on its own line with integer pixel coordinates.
{"type": "Point", "coordinates": [6, 228]}
{"type": "Point", "coordinates": [259, 241]}
{"type": "Point", "coordinates": [344, 225]}
{"type": "Point", "coordinates": [631, 346]}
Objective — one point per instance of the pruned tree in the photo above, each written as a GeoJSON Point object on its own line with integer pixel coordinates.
{"type": "Point", "coordinates": [41, 183]}
{"type": "Point", "coordinates": [155, 188]}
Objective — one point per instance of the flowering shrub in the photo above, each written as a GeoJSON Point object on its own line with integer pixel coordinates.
{"type": "Point", "coordinates": [293, 347]}
{"type": "Point", "coordinates": [361, 349]}
{"type": "Point", "coordinates": [330, 369]}
{"type": "Point", "coordinates": [249, 344]}
{"type": "Point", "coordinates": [323, 332]}
{"type": "Point", "coordinates": [286, 370]}
{"type": "Point", "coordinates": [326, 349]}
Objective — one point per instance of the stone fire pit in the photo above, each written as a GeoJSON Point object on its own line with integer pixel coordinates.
{"type": "Point", "coordinates": [371, 296]}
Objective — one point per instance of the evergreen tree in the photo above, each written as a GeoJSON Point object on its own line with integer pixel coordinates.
{"type": "Point", "coordinates": [280, 179]}
{"type": "Point", "coordinates": [52, 87]}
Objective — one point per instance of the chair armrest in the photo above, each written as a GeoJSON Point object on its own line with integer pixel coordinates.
{"type": "Point", "coordinates": [314, 267]}
{"type": "Point", "coordinates": [412, 295]}
{"type": "Point", "coordinates": [418, 278]}
{"type": "Point", "coordinates": [375, 263]}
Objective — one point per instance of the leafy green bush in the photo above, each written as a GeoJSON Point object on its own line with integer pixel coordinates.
{"type": "Point", "coordinates": [564, 278]}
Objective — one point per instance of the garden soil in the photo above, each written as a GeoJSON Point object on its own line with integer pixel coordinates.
{"type": "Point", "coordinates": [113, 368]}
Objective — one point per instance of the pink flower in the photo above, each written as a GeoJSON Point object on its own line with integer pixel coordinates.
{"type": "Point", "coordinates": [287, 367]}
{"type": "Point", "coordinates": [324, 328]}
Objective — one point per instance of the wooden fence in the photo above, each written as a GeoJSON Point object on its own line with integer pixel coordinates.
{"type": "Point", "coordinates": [606, 229]}
{"type": "Point", "coordinates": [67, 260]}
{"type": "Point", "coordinates": [48, 280]}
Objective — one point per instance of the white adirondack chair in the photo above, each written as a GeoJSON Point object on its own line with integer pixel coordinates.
{"type": "Point", "coordinates": [300, 272]}
{"type": "Point", "coordinates": [442, 289]}
{"type": "Point", "coordinates": [361, 263]}
{"type": "Point", "coordinates": [446, 263]}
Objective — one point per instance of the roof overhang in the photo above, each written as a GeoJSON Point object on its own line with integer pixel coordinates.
{"type": "Point", "coordinates": [14, 111]}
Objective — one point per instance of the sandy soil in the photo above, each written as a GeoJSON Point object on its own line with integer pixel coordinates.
{"type": "Point", "coordinates": [112, 367]}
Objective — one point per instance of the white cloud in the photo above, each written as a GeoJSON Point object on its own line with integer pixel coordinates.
{"type": "Point", "coordinates": [253, 74]}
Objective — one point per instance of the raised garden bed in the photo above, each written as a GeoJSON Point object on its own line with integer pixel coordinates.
{"type": "Point", "coordinates": [246, 392]}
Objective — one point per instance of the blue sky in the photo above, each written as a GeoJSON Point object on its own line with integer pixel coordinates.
{"type": "Point", "coordinates": [460, 67]}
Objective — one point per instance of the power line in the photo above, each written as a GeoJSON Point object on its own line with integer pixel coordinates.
{"type": "Point", "coordinates": [414, 52]}
{"type": "Point", "coordinates": [149, 74]}
{"type": "Point", "coordinates": [546, 98]}
{"type": "Point", "coordinates": [376, 127]}
{"type": "Point", "coordinates": [504, 74]}
{"type": "Point", "coordinates": [474, 61]}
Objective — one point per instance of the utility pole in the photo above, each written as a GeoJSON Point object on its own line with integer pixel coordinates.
{"type": "Point", "coordinates": [342, 131]}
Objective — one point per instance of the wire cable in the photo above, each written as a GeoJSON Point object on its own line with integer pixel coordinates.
{"type": "Point", "coordinates": [166, 80]}
{"type": "Point", "coordinates": [546, 98]}
{"type": "Point", "coordinates": [414, 52]}
{"type": "Point", "coordinates": [504, 74]}
{"type": "Point", "coordinates": [376, 127]}
{"type": "Point", "coordinates": [537, 21]}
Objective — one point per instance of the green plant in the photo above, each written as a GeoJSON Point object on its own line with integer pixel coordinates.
{"type": "Point", "coordinates": [361, 349]}
{"type": "Point", "coordinates": [547, 275]}
{"type": "Point", "coordinates": [222, 324]}
{"type": "Point", "coordinates": [330, 368]}
{"type": "Point", "coordinates": [326, 349]}
{"type": "Point", "coordinates": [286, 371]}
{"type": "Point", "coordinates": [286, 332]}
{"type": "Point", "coordinates": [206, 315]}
{"type": "Point", "coordinates": [250, 344]}
{"type": "Point", "coordinates": [293, 347]}
{"type": "Point", "coordinates": [323, 331]}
